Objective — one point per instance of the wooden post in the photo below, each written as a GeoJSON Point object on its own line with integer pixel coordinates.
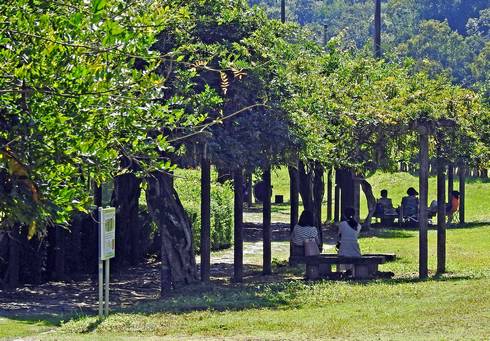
{"type": "Point", "coordinates": [329, 195]}
{"type": "Point", "coordinates": [423, 188]}
{"type": "Point", "coordinates": [283, 11]}
{"type": "Point", "coordinates": [293, 200]}
{"type": "Point", "coordinates": [337, 214]}
{"type": "Point", "coordinates": [441, 218]}
{"type": "Point", "coordinates": [248, 180]}
{"type": "Point", "coordinates": [238, 230]}
{"type": "Point", "coordinates": [377, 29]}
{"type": "Point", "coordinates": [293, 195]}
{"type": "Point", "coordinates": [450, 180]}
{"type": "Point", "coordinates": [205, 216]}
{"type": "Point", "coordinates": [266, 229]}
{"type": "Point", "coordinates": [462, 195]}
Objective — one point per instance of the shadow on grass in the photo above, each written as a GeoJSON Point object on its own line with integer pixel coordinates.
{"type": "Point", "coordinates": [435, 278]}
{"type": "Point", "coordinates": [387, 234]}
{"type": "Point", "coordinates": [215, 297]}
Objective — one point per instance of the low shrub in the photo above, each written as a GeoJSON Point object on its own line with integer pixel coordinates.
{"type": "Point", "coordinates": [188, 185]}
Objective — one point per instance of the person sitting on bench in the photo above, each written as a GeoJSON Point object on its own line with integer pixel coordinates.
{"type": "Point", "coordinates": [305, 229]}
{"type": "Point", "coordinates": [348, 244]}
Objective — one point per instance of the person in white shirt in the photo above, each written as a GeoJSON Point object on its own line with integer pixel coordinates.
{"type": "Point", "coordinates": [349, 230]}
{"type": "Point", "coordinates": [305, 229]}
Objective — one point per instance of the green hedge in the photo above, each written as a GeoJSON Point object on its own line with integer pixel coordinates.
{"type": "Point", "coordinates": [188, 185]}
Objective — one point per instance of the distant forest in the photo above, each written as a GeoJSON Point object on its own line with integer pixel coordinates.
{"type": "Point", "coordinates": [450, 37]}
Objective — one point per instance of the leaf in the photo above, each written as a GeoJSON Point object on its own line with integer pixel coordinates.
{"type": "Point", "coordinates": [98, 5]}
{"type": "Point", "coordinates": [32, 230]}
{"type": "Point", "coordinates": [224, 82]}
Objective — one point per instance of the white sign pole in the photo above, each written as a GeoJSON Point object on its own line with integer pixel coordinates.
{"type": "Point", "coordinates": [106, 308]}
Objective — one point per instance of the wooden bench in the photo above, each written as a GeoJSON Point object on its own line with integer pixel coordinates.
{"type": "Point", "coordinates": [364, 267]}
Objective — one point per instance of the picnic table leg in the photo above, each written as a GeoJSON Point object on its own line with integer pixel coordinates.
{"type": "Point", "coordinates": [373, 270]}
{"type": "Point", "coordinates": [312, 271]}
{"type": "Point", "coordinates": [361, 271]}
{"type": "Point", "coordinates": [325, 270]}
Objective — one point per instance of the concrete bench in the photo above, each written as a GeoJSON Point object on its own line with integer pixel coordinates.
{"type": "Point", "coordinates": [365, 267]}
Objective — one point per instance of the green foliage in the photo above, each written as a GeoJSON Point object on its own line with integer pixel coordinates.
{"type": "Point", "coordinates": [188, 185]}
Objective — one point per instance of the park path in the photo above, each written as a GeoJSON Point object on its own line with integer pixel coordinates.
{"type": "Point", "coordinates": [136, 284]}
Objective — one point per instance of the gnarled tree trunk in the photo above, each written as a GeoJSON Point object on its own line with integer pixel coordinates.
{"type": "Point", "coordinates": [306, 186]}
{"type": "Point", "coordinates": [371, 201]}
{"type": "Point", "coordinates": [166, 210]}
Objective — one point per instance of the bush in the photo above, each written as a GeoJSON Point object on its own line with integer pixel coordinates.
{"type": "Point", "coordinates": [188, 185]}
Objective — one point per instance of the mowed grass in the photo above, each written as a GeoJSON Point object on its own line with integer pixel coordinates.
{"type": "Point", "coordinates": [453, 306]}
{"type": "Point", "coordinates": [449, 307]}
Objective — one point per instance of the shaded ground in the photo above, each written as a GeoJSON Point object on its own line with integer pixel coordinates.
{"type": "Point", "coordinates": [139, 283]}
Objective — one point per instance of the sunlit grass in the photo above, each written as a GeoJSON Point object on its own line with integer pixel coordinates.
{"type": "Point", "coordinates": [453, 306]}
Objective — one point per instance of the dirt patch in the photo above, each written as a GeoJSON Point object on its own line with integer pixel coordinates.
{"type": "Point", "coordinates": [134, 284]}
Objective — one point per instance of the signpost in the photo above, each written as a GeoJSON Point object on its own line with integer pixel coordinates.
{"type": "Point", "coordinates": [107, 250]}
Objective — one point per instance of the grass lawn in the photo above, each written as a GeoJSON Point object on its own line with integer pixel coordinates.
{"type": "Point", "coordinates": [450, 307]}
{"type": "Point", "coordinates": [454, 306]}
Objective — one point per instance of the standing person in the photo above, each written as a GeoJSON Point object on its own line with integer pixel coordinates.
{"type": "Point", "coordinates": [349, 230]}
{"type": "Point", "coordinates": [305, 229]}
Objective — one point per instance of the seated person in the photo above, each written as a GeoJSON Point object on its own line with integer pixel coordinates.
{"type": "Point", "coordinates": [305, 229]}
{"type": "Point", "coordinates": [453, 204]}
{"type": "Point", "coordinates": [385, 205]}
{"type": "Point", "coordinates": [410, 203]}
{"type": "Point", "coordinates": [451, 207]}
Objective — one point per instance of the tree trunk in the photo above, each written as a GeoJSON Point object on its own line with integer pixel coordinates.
{"type": "Point", "coordinates": [329, 194]}
{"type": "Point", "coordinates": [306, 186]}
{"type": "Point", "coordinates": [349, 190]}
{"type": "Point", "coordinates": [441, 219]}
{"type": "Point", "coordinates": [266, 228]}
{"type": "Point", "coordinates": [128, 232]}
{"type": "Point", "coordinates": [205, 218]}
{"type": "Point", "coordinates": [238, 228]}
{"type": "Point", "coordinates": [423, 187]}
{"type": "Point", "coordinates": [13, 270]}
{"type": "Point", "coordinates": [450, 180]}
{"type": "Point", "coordinates": [59, 254]}
{"type": "Point", "coordinates": [371, 201]}
{"type": "Point", "coordinates": [175, 228]}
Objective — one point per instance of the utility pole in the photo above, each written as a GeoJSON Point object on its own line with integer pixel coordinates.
{"type": "Point", "coordinates": [325, 26]}
{"type": "Point", "coordinates": [377, 29]}
{"type": "Point", "coordinates": [283, 11]}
